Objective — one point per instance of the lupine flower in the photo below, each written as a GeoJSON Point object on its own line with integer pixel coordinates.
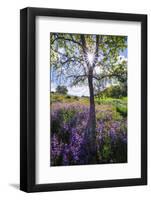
{"type": "Point", "coordinates": [68, 125]}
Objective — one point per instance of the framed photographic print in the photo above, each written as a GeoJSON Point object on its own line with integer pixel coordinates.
{"type": "Point", "coordinates": [83, 95]}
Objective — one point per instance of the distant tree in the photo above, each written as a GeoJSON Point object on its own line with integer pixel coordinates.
{"type": "Point", "coordinates": [62, 89]}
{"type": "Point", "coordinates": [87, 59]}
{"type": "Point", "coordinates": [114, 91]}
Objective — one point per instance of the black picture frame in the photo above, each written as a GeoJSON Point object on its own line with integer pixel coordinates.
{"type": "Point", "coordinates": [28, 98]}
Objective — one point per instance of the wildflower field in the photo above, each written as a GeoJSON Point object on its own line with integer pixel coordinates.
{"type": "Point", "coordinates": [69, 116]}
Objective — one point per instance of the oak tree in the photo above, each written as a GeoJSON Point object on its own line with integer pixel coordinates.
{"type": "Point", "coordinates": [78, 59]}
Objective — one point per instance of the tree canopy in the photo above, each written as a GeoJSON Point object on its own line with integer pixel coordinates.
{"type": "Point", "coordinates": [61, 89]}
{"type": "Point", "coordinates": [73, 54]}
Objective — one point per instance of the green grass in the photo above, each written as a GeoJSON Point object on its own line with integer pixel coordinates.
{"type": "Point", "coordinates": [56, 97]}
{"type": "Point", "coordinates": [112, 101]}
{"type": "Point", "coordinates": [118, 106]}
{"type": "Point", "coordinates": [122, 110]}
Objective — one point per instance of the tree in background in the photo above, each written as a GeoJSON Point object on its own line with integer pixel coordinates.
{"type": "Point", "coordinates": [62, 89]}
{"type": "Point", "coordinates": [78, 59]}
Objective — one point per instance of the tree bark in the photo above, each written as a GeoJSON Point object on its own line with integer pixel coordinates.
{"type": "Point", "coordinates": [90, 135]}
{"type": "Point", "coordinates": [92, 118]}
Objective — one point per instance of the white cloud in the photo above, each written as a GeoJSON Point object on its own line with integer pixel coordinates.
{"type": "Point", "coordinates": [75, 90]}
{"type": "Point", "coordinates": [53, 87]}
{"type": "Point", "coordinates": [78, 90]}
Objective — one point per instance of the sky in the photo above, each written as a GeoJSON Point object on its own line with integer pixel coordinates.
{"type": "Point", "coordinates": [75, 90]}
{"type": "Point", "coordinates": [79, 90]}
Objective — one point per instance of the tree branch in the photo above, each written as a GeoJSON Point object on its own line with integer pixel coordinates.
{"type": "Point", "coordinates": [99, 78]}
{"type": "Point", "coordinates": [67, 39]}
{"type": "Point", "coordinates": [68, 59]}
{"type": "Point", "coordinates": [96, 50]}
{"type": "Point", "coordinates": [77, 76]}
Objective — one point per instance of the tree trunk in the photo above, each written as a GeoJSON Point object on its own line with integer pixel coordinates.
{"type": "Point", "coordinates": [90, 135]}
{"type": "Point", "coordinates": [90, 150]}
{"type": "Point", "coordinates": [92, 118]}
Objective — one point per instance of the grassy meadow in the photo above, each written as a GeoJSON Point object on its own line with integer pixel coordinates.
{"type": "Point", "coordinates": [69, 116]}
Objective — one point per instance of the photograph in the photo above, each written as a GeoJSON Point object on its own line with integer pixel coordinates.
{"type": "Point", "coordinates": [88, 99]}
{"type": "Point", "coordinates": [83, 99]}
